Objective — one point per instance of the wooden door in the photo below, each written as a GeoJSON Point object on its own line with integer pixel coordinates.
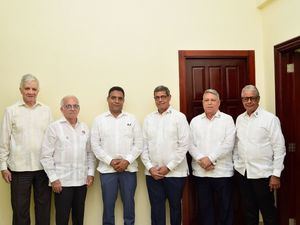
{"type": "Point", "coordinates": [225, 71]}
{"type": "Point", "coordinates": [287, 80]}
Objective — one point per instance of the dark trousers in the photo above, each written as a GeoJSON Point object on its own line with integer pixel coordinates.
{"type": "Point", "coordinates": [110, 184]}
{"type": "Point", "coordinates": [256, 195]}
{"type": "Point", "coordinates": [208, 188]}
{"type": "Point", "coordinates": [71, 198]}
{"type": "Point", "coordinates": [170, 188]}
{"type": "Point", "coordinates": [21, 185]}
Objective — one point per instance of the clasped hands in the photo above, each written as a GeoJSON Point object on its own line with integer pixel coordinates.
{"type": "Point", "coordinates": [159, 172]}
{"type": "Point", "coordinates": [119, 165]}
{"type": "Point", "coordinates": [205, 163]}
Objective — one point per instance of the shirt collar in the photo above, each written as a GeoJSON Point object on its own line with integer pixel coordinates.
{"type": "Point", "coordinates": [217, 115]}
{"type": "Point", "coordinates": [64, 120]}
{"type": "Point", "coordinates": [168, 111]}
{"type": "Point", "coordinates": [22, 103]}
{"type": "Point", "coordinates": [256, 113]}
{"type": "Point", "coordinates": [108, 113]}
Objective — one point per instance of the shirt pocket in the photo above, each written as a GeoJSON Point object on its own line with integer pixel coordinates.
{"type": "Point", "coordinates": [64, 143]}
{"type": "Point", "coordinates": [218, 136]}
{"type": "Point", "coordinates": [259, 135]}
{"type": "Point", "coordinates": [127, 130]}
{"type": "Point", "coordinates": [18, 124]}
{"type": "Point", "coordinates": [170, 131]}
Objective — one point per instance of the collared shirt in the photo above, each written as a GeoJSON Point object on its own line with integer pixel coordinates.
{"type": "Point", "coordinates": [116, 138]}
{"type": "Point", "coordinates": [215, 139]}
{"type": "Point", "coordinates": [66, 153]}
{"type": "Point", "coordinates": [22, 132]}
{"type": "Point", "coordinates": [260, 146]}
{"type": "Point", "coordinates": [166, 142]}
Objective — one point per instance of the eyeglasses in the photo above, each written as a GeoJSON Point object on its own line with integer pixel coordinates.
{"type": "Point", "coordinates": [69, 107]}
{"type": "Point", "coordinates": [252, 99]}
{"type": "Point", "coordinates": [162, 97]}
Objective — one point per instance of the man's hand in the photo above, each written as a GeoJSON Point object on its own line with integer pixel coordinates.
{"type": "Point", "coordinates": [114, 163]}
{"type": "Point", "coordinates": [120, 165]}
{"type": "Point", "coordinates": [56, 186]}
{"type": "Point", "coordinates": [274, 183]}
{"type": "Point", "coordinates": [6, 174]}
{"type": "Point", "coordinates": [155, 173]}
{"type": "Point", "coordinates": [89, 181]}
{"type": "Point", "coordinates": [205, 163]}
{"type": "Point", "coordinates": [163, 170]}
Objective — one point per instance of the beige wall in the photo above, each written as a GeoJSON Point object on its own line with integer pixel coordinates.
{"type": "Point", "coordinates": [280, 22]}
{"type": "Point", "coordinates": [85, 47]}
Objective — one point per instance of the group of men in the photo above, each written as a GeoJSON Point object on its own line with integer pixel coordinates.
{"type": "Point", "coordinates": [61, 155]}
{"type": "Point", "coordinates": [254, 147]}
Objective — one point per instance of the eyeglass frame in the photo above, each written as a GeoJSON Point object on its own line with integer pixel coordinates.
{"type": "Point", "coordinates": [162, 97]}
{"type": "Point", "coordinates": [251, 98]}
{"type": "Point", "coordinates": [72, 107]}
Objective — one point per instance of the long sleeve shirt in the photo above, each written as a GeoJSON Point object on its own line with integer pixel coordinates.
{"type": "Point", "coordinates": [213, 139]}
{"type": "Point", "coordinates": [21, 136]}
{"type": "Point", "coordinates": [260, 146]}
{"type": "Point", "coordinates": [116, 138]}
{"type": "Point", "coordinates": [66, 154]}
{"type": "Point", "coordinates": [166, 142]}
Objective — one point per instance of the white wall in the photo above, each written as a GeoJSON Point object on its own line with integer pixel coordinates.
{"type": "Point", "coordinates": [85, 47]}
{"type": "Point", "coordinates": [280, 21]}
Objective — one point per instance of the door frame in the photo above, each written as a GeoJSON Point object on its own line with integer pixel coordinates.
{"type": "Point", "coordinates": [279, 51]}
{"type": "Point", "coordinates": [249, 55]}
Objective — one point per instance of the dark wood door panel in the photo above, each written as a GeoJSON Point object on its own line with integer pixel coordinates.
{"type": "Point", "coordinates": [225, 75]}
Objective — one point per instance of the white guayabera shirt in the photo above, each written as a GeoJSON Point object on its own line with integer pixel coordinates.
{"type": "Point", "coordinates": [166, 142]}
{"type": "Point", "coordinates": [116, 138]}
{"type": "Point", "coordinates": [66, 153]}
{"type": "Point", "coordinates": [260, 146]}
{"type": "Point", "coordinates": [215, 139]}
{"type": "Point", "coordinates": [21, 137]}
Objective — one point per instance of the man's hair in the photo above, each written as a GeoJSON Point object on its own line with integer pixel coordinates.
{"type": "Point", "coordinates": [162, 88]}
{"type": "Point", "coordinates": [62, 102]}
{"type": "Point", "coordinates": [252, 88]}
{"type": "Point", "coordinates": [28, 77]}
{"type": "Point", "coordinates": [116, 88]}
{"type": "Point", "coordinates": [212, 91]}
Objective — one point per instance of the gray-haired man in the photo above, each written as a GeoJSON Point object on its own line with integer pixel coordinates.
{"type": "Point", "coordinates": [22, 131]}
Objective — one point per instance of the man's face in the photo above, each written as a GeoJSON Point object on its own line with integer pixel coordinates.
{"type": "Point", "coordinates": [162, 101]}
{"type": "Point", "coordinates": [115, 102]}
{"type": "Point", "coordinates": [30, 92]}
{"type": "Point", "coordinates": [250, 101]}
{"type": "Point", "coordinates": [70, 109]}
{"type": "Point", "coordinates": [211, 104]}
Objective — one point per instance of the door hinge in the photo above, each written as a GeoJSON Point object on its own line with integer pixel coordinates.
{"type": "Point", "coordinates": [291, 147]}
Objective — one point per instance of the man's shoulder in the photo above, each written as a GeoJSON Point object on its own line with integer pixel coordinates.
{"type": "Point", "coordinates": [101, 116]}
{"type": "Point", "coordinates": [152, 114]}
{"type": "Point", "coordinates": [266, 113]}
{"type": "Point", "coordinates": [43, 107]}
{"type": "Point", "coordinates": [13, 106]}
{"type": "Point", "coordinates": [197, 118]}
{"type": "Point", "coordinates": [241, 115]}
{"type": "Point", "coordinates": [177, 113]}
{"type": "Point", "coordinates": [56, 123]}
{"type": "Point", "coordinates": [225, 115]}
